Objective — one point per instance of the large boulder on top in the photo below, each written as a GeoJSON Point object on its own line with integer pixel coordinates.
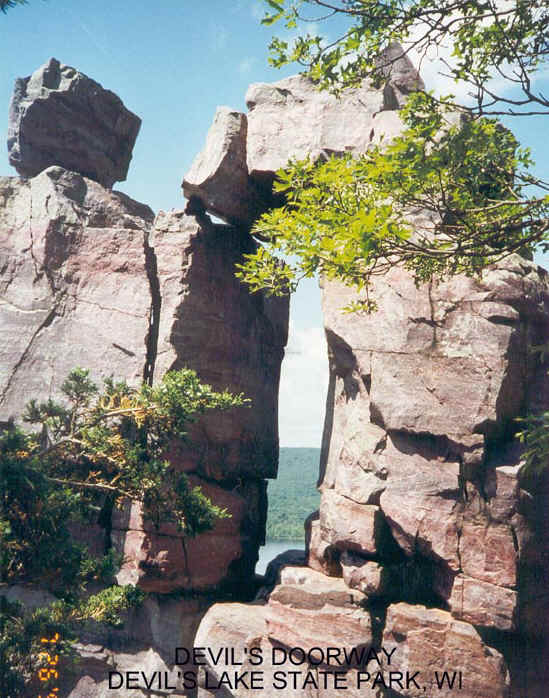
{"type": "Point", "coordinates": [291, 119]}
{"type": "Point", "coordinates": [59, 116]}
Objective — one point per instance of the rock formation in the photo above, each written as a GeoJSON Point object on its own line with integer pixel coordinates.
{"type": "Point", "coordinates": [425, 519]}
{"type": "Point", "coordinates": [75, 284]}
{"type": "Point", "coordinates": [290, 119]}
{"type": "Point", "coordinates": [429, 552]}
{"type": "Point", "coordinates": [429, 542]}
{"type": "Point", "coordinates": [91, 278]}
{"type": "Point", "coordinates": [219, 175]}
{"type": "Point", "coordinates": [420, 425]}
{"type": "Point", "coordinates": [59, 116]}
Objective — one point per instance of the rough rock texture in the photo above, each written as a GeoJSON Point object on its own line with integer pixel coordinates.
{"type": "Point", "coordinates": [146, 643]}
{"type": "Point", "coordinates": [219, 175]}
{"type": "Point", "coordinates": [321, 556]}
{"type": "Point", "coordinates": [74, 287]}
{"type": "Point", "coordinates": [429, 552]}
{"type": "Point", "coordinates": [420, 417]}
{"type": "Point", "coordinates": [161, 561]}
{"type": "Point", "coordinates": [367, 576]}
{"type": "Point", "coordinates": [425, 511]}
{"type": "Point", "coordinates": [82, 285]}
{"type": "Point", "coordinates": [307, 611]}
{"type": "Point", "coordinates": [232, 338]}
{"type": "Point", "coordinates": [59, 116]}
{"type": "Point", "coordinates": [88, 279]}
{"type": "Point", "coordinates": [292, 119]}
{"type": "Point", "coordinates": [348, 526]}
{"type": "Point", "coordinates": [232, 177]}
{"type": "Point", "coordinates": [430, 640]}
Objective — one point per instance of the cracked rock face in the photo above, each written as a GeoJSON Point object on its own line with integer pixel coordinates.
{"type": "Point", "coordinates": [58, 116]}
{"type": "Point", "coordinates": [428, 542]}
{"type": "Point", "coordinates": [231, 338]}
{"type": "Point", "coordinates": [424, 638]}
{"type": "Point", "coordinates": [291, 119]}
{"type": "Point", "coordinates": [89, 279]}
{"type": "Point", "coordinates": [219, 175]}
{"type": "Point", "coordinates": [421, 408]}
{"type": "Point", "coordinates": [74, 285]}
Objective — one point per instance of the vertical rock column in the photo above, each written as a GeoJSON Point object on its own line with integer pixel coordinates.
{"type": "Point", "coordinates": [419, 450]}
{"type": "Point", "coordinates": [209, 322]}
{"type": "Point", "coordinates": [430, 547]}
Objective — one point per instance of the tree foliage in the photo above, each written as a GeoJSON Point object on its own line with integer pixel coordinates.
{"type": "Point", "coordinates": [461, 204]}
{"type": "Point", "coordinates": [83, 456]}
{"type": "Point", "coordinates": [506, 38]}
{"type": "Point", "coordinates": [535, 436]}
{"type": "Point", "coordinates": [6, 4]}
{"type": "Point", "coordinates": [454, 192]}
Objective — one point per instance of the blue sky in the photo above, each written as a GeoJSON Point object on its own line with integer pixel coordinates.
{"type": "Point", "coordinates": [173, 62]}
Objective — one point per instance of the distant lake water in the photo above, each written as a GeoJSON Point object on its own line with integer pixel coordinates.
{"type": "Point", "coordinates": [272, 548]}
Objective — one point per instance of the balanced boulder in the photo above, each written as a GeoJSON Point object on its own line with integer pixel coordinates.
{"type": "Point", "coordinates": [58, 116]}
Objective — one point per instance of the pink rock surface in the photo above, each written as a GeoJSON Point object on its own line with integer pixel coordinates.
{"type": "Point", "coordinates": [308, 609]}
{"type": "Point", "coordinates": [367, 576]}
{"type": "Point", "coordinates": [293, 119]}
{"type": "Point", "coordinates": [488, 553]}
{"type": "Point", "coordinates": [321, 556]}
{"type": "Point", "coordinates": [429, 640]}
{"type": "Point", "coordinates": [219, 174]}
{"type": "Point", "coordinates": [74, 285]}
{"type": "Point", "coordinates": [233, 339]}
{"type": "Point", "coordinates": [161, 561]}
{"type": "Point", "coordinates": [483, 604]}
{"type": "Point", "coordinates": [59, 116]}
{"type": "Point", "coordinates": [87, 280]}
{"type": "Point", "coordinates": [348, 525]}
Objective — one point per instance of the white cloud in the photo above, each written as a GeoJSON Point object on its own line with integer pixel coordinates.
{"type": "Point", "coordinates": [433, 67]}
{"type": "Point", "coordinates": [303, 386]}
{"type": "Point", "coordinates": [218, 36]}
{"type": "Point", "coordinates": [245, 65]}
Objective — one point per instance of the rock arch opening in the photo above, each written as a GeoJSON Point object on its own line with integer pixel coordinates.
{"type": "Point", "coordinates": [293, 495]}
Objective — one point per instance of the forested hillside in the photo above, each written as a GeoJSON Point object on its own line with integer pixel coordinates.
{"type": "Point", "coordinates": [293, 495]}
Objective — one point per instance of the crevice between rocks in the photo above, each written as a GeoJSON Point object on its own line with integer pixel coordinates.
{"type": "Point", "coordinates": [151, 341]}
{"type": "Point", "coordinates": [45, 323]}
